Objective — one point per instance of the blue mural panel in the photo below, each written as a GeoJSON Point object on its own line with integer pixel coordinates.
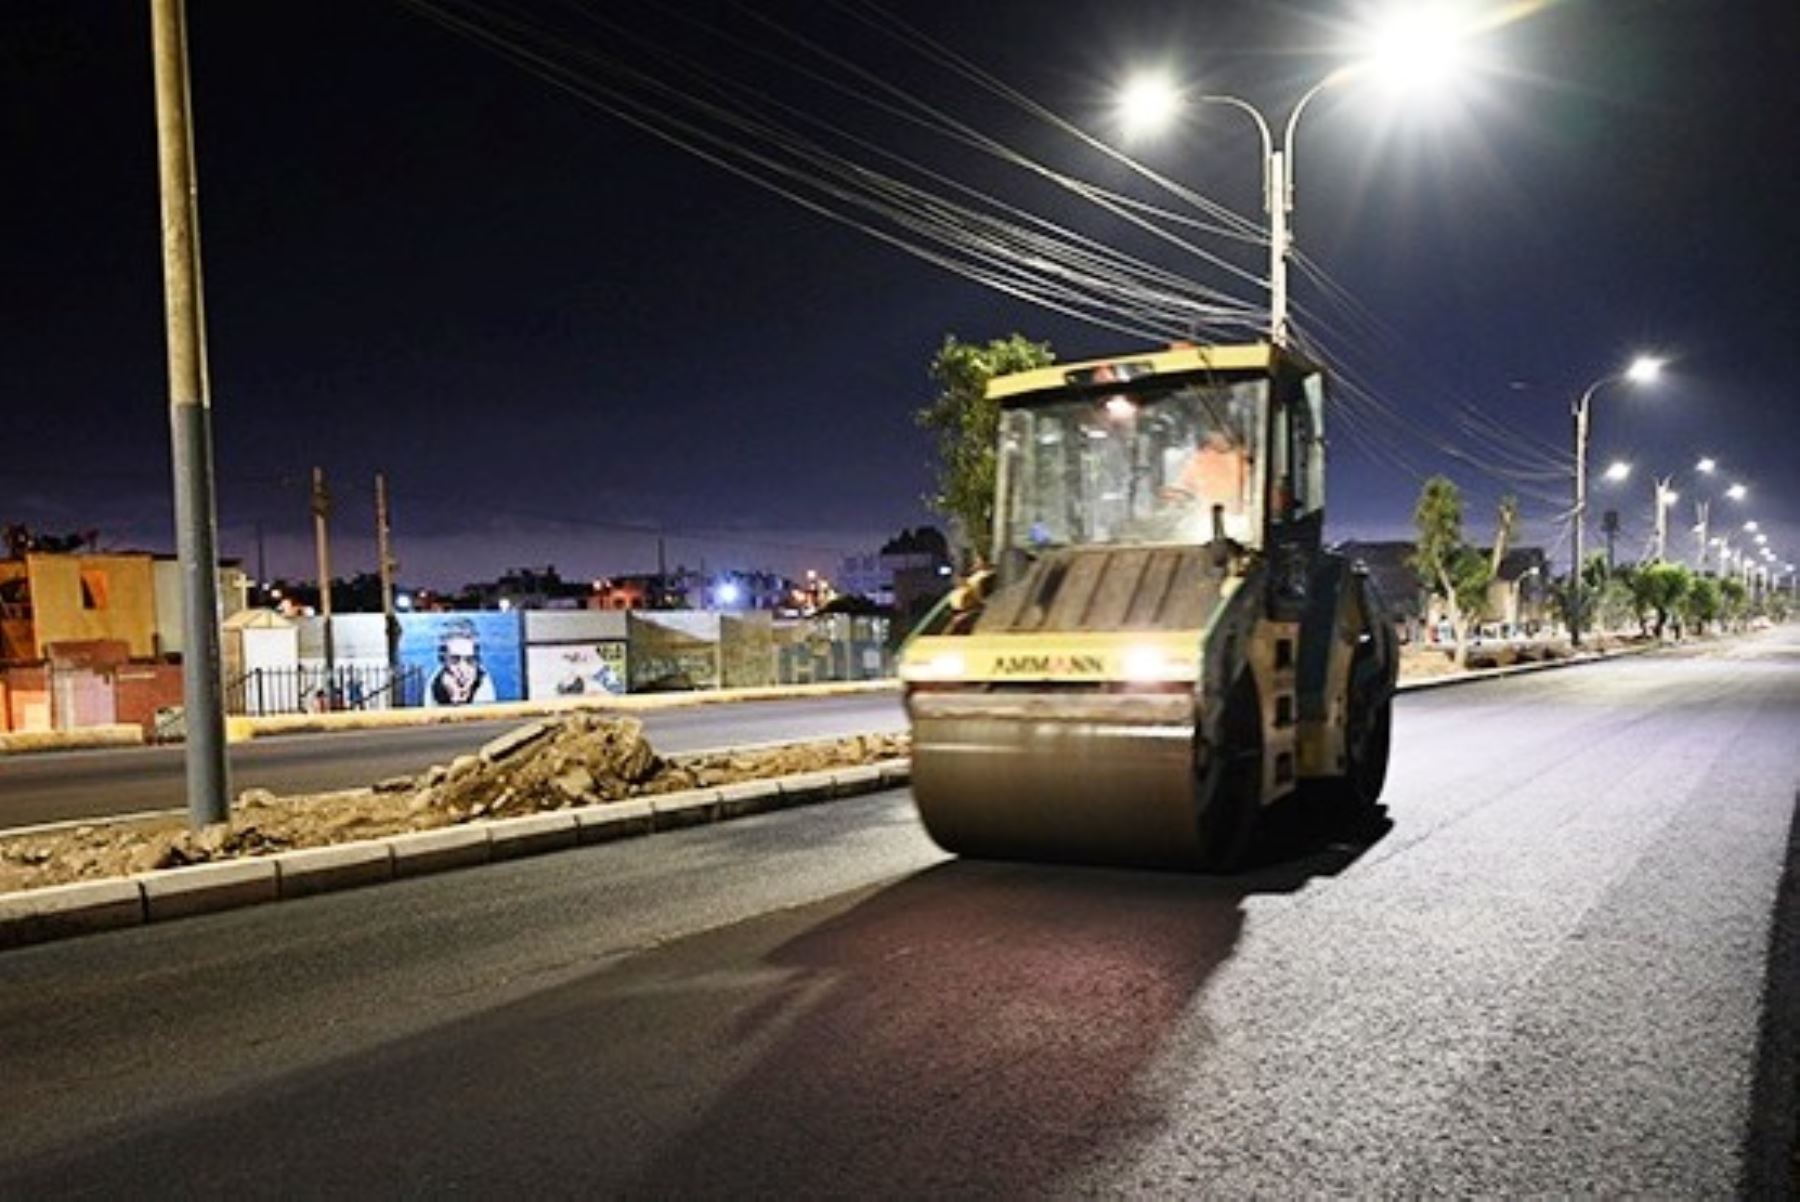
{"type": "Point", "coordinates": [463, 658]}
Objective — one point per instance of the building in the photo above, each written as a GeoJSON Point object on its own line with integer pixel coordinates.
{"type": "Point", "coordinates": [1518, 598]}
{"type": "Point", "coordinates": [910, 572]}
{"type": "Point", "coordinates": [528, 588]}
{"type": "Point", "coordinates": [90, 638]}
{"type": "Point", "coordinates": [1389, 565]}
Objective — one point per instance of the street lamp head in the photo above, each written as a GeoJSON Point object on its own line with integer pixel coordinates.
{"type": "Point", "coordinates": [1736, 492]}
{"type": "Point", "coordinates": [1670, 496]}
{"type": "Point", "coordinates": [1148, 103]}
{"type": "Point", "coordinates": [1762, 540]}
{"type": "Point", "coordinates": [1416, 47]}
{"type": "Point", "coordinates": [1707, 464]}
{"type": "Point", "coordinates": [1752, 527]}
{"type": "Point", "coordinates": [1644, 369]}
{"type": "Point", "coordinates": [1618, 470]}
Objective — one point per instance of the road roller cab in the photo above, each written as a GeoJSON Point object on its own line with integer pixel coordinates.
{"type": "Point", "coordinates": [1162, 647]}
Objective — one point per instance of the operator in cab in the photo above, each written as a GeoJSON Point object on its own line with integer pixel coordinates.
{"type": "Point", "coordinates": [1214, 475]}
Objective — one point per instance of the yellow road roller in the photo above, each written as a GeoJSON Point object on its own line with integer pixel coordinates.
{"type": "Point", "coordinates": [1161, 647]}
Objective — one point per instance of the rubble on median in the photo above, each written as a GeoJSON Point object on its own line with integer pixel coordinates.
{"type": "Point", "coordinates": [583, 759]}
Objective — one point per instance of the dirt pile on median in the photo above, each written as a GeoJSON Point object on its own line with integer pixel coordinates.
{"type": "Point", "coordinates": [583, 759]}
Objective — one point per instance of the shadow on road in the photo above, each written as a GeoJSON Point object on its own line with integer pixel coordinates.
{"type": "Point", "coordinates": [979, 1028]}
{"type": "Point", "coordinates": [1772, 1136]}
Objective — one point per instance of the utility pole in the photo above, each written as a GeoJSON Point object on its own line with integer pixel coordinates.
{"type": "Point", "coordinates": [1702, 523]}
{"type": "Point", "coordinates": [190, 422]}
{"type": "Point", "coordinates": [1664, 499]}
{"type": "Point", "coordinates": [321, 509]}
{"type": "Point", "coordinates": [1577, 591]}
{"type": "Point", "coordinates": [389, 624]}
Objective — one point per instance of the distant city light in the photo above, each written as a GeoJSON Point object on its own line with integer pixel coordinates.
{"type": "Point", "coordinates": [403, 601]}
{"type": "Point", "coordinates": [728, 593]}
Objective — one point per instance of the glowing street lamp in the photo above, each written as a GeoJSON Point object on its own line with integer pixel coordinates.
{"type": "Point", "coordinates": [1417, 49]}
{"type": "Point", "coordinates": [1642, 370]}
{"type": "Point", "coordinates": [1707, 464]}
{"type": "Point", "coordinates": [1148, 102]}
{"type": "Point", "coordinates": [1618, 470]}
{"type": "Point", "coordinates": [1736, 492]}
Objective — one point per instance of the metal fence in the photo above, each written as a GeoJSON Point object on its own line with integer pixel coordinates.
{"type": "Point", "coordinates": [304, 689]}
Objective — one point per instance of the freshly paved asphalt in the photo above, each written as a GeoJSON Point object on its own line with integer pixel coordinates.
{"type": "Point", "coordinates": [1556, 974]}
{"type": "Point", "coordinates": [61, 786]}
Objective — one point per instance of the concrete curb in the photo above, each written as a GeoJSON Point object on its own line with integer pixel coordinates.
{"type": "Point", "coordinates": [1480, 674]}
{"type": "Point", "coordinates": [242, 729]}
{"type": "Point", "coordinates": [84, 738]}
{"type": "Point", "coordinates": [62, 911]}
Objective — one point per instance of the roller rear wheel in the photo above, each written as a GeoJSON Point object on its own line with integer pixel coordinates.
{"type": "Point", "coordinates": [1234, 805]}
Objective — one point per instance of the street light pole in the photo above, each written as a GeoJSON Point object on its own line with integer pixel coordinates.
{"type": "Point", "coordinates": [1664, 499]}
{"type": "Point", "coordinates": [190, 422]}
{"type": "Point", "coordinates": [1702, 519]}
{"type": "Point", "coordinates": [1278, 196]}
{"type": "Point", "coordinates": [1577, 597]}
{"type": "Point", "coordinates": [1643, 369]}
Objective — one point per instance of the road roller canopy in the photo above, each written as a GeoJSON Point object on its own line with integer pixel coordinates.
{"type": "Point", "coordinates": [1172, 448]}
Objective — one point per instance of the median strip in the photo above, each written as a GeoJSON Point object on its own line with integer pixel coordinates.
{"type": "Point", "coordinates": [580, 781]}
{"type": "Point", "coordinates": [546, 786]}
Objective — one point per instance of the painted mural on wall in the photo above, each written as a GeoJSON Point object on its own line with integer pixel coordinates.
{"type": "Point", "coordinates": [674, 650]}
{"type": "Point", "coordinates": [463, 658]}
{"type": "Point", "coordinates": [576, 669]}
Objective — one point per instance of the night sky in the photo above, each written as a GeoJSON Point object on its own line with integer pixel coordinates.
{"type": "Point", "coordinates": [559, 335]}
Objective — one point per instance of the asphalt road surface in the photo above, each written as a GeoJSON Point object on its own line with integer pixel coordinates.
{"type": "Point", "coordinates": [1556, 973]}
{"type": "Point", "coordinates": [62, 786]}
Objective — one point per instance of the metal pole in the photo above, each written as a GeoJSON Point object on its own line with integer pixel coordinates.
{"type": "Point", "coordinates": [384, 550]}
{"type": "Point", "coordinates": [1280, 204]}
{"type": "Point", "coordinates": [1662, 518]}
{"type": "Point", "coordinates": [1577, 598]}
{"type": "Point", "coordinates": [321, 509]}
{"type": "Point", "coordinates": [190, 423]}
{"type": "Point", "coordinates": [1703, 517]}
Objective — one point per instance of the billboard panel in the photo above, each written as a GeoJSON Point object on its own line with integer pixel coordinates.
{"type": "Point", "coordinates": [676, 649]}
{"type": "Point", "coordinates": [577, 626]}
{"type": "Point", "coordinates": [463, 658]}
{"type": "Point", "coordinates": [575, 669]}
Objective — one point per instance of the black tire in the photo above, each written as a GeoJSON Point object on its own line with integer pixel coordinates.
{"type": "Point", "coordinates": [1367, 751]}
{"type": "Point", "coordinates": [1232, 785]}
{"type": "Point", "coordinates": [1368, 742]}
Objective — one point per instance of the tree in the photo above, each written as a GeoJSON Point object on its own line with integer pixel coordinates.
{"type": "Point", "coordinates": [1449, 568]}
{"type": "Point", "coordinates": [1702, 603]}
{"type": "Point", "coordinates": [1660, 587]}
{"type": "Point", "coordinates": [1734, 601]}
{"type": "Point", "coordinates": [968, 427]}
